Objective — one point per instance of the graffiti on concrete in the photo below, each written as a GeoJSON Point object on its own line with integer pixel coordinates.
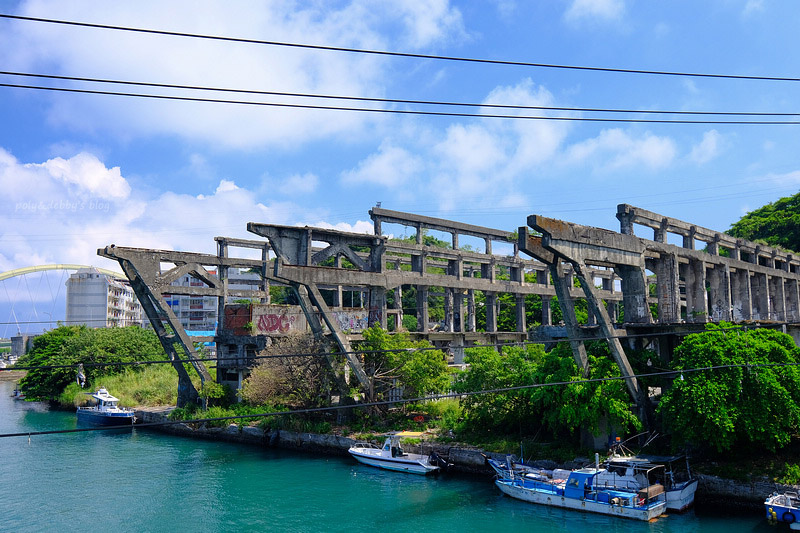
{"type": "Point", "coordinates": [275, 323]}
{"type": "Point", "coordinates": [278, 320]}
{"type": "Point", "coordinates": [351, 321]}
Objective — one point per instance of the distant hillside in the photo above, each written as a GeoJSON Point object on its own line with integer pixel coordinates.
{"type": "Point", "coordinates": [777, 224]}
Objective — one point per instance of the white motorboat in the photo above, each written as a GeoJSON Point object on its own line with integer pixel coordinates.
{"type": "Point", "coordinates": [105, 412]}
{"type": "Point", "coordinates": [392, 457]}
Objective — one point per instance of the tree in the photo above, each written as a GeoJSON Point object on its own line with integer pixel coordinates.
{"type": "Point", "coordinates": [573, 404]}
{"type": "Point", "coordinates": [393, 360]}
{"type": "Point", "coordinates": [299, 379]}
{"type": "Point", "coordinates": [96, 349]}
{"type": "Point", "coordinates": [741, 405]}
{"type": "Point", "coordinates": [778, 224]}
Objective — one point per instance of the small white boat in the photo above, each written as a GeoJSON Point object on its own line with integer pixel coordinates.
{"type": "Point", "coordinates": [106, 411]}
{"type": "Point", "coordinates": [392, 457]}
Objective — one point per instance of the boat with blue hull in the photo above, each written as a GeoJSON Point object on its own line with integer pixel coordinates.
{"type": "Point", "coordinates": [582, 491]}
{"type": "Point", "coordinates": [106, 411]}
{"type": "Point", "coordinates": [783, 507]}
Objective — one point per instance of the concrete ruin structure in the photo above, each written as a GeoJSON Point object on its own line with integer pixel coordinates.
{"type": "Point", "coordinates": [622, 277]}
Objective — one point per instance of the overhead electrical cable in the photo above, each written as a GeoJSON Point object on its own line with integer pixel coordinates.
{"type": "Point", "coordinates": [395, 100]}
{"type": "Point", "coordinates": [397, 54]}
{"type": "Point", "coordinates": [403, 111]}
{"type": "Point", "coordinates": [357, 352]}
{"type": "Point", "coordinates": [674, 373]}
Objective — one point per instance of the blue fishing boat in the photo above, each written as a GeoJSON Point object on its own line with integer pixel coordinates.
{"type": "Point", "coordinates": [583, 491]}
{"type": "Point", "coordinates": [783, 507]}
{"type": "Point", "coordinates": [105, 411]}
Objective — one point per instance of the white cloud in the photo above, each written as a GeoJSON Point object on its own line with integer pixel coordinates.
{"type": "Point", "coordinates": [616, 149]}
{"type": "Point", "coordinates": [391, 166]}
{"type": "Point", "coordinates": [594, 10]}
{"type": "Point", "coordinates": [150, 58]}
{"type": "Point", "coordinates": [299, 184]}
{"type": "Point", "coordinates": [481, 159]}
{"type": "Point", "coordinates": [708, 148]}
{"type": "Point", "coordinates": [59, 213]}
{"type": "Point", "coordinates": [753, 6]}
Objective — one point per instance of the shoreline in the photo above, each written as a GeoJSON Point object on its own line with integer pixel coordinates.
{"type": "Point", "coordinates": [712, 492]}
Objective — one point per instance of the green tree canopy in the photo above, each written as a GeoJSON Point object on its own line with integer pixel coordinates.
{"type": "Point", "coordinates": [565, 409]}
{"type": "Point", "coordinates": [71, 345]}
{"type": "Point", "coordinates": [419, 369]}
{"type": "Point", "coordinates": [778, 224]}
{"type": "Point", "coordinates": [740, 405]}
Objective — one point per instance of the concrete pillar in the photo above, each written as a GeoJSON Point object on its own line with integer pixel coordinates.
{"type": "Point", "coordinates": [625, 222]}
{"type": "Point", "coordinates": [520, 312]}
{"type": "Point", "coordinates": [491, 311]}
{"type": "Point", "coordinates": [696, 297]}
{"type": "Point", "coordinates": [448, 309]}
{"type": "Point", "coordinates": [777, 299]}
{"type": "Point", "coordinates": [741, 296]}
{"type": "Point", "coordinates": [457, 348]}
{"type": "Point", "coordinates": [547, 318]}
{"type": "Point", "coordinates": [590, 318]}
{"type": "Point", "coordinates": [422, 309]}
{"type": "Point", "coordinates": [613, 311]}
{"type": "Point", "coordinates": [719, 293]}
{"type": "Point", "coordinates": [337, 293]}
{"type": "Point", "coordinates": [634, 294]}
{"type": "Point", "coordinates": [760, 295]}
{"type": "Point", "coordinates": [471, 325]}
{"type": "Point", "coordinates": [398, 305]}
{"type": "Point", "coordinates": [458, 310]}
{"type": "Point", "coordinates": [790, 289]}
{"type": "Point", "coordinates": [377, 307]}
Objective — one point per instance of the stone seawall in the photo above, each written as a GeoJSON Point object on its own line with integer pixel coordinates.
{"type": "Point", "coordinates": [712, 491]}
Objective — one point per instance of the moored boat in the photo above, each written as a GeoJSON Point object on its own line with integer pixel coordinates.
{"type": "Point", "coordinates": [783, 507]}
{"type": "Point", "coordinates": [392, 457]}
{"type": "Point", "coordinates": [106, 411]}
{"type": "Point", "coordinates": [581, 491]}
{"type": "Point", "coordinates": [631, 471]}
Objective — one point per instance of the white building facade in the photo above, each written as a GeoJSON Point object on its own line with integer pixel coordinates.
{"type": "Point", "coordinates": [100, 301]}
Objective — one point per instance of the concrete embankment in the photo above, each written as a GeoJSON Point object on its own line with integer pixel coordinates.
{"type": "Point", "coordinates": [712, 491]}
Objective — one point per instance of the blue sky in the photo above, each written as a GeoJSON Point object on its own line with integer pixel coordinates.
{"type": "Point", "coordinates": [81, 171]}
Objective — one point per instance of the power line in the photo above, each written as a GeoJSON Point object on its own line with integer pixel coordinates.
{"type": "Point", "coordinates": [403, 111]}
{"type": "Point", "coordinates": [394, 100]}
{"type": "Point", "coordinates": [399, 54]}
{"type": "Point", "coordinates": [674, 373]}
{"type": "Point", "coordinates": [501, 345]}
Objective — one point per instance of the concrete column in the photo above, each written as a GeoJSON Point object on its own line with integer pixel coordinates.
{"type": "Point", "coordinates": [625, 222]}
{"type": "Point", "coordinates": [741, 296]}
{"type": "Point", "coordinates": [458, 310]}
{"type": "Point", "coordinates": [777, 298]}
{"type": "Point", "coordinates": [448, 309]}
{"type": "Point", "coordinates": [520, 312]}
{"type": "Point", "coordinates": [264, 281]}
{"type": "Point", "coordinates": [377, 307]}
{"type": "Point", "coordinates": [760, 293]}
{"type": "Point", "coordinates": [337, 293]}
{"type": "Point", "coordinates": [471, 325]}
{"type": "Point", "coordinates": [398, 304]}
{"type": "Point", "coordinates": [792, 300]}
{"type": "Point", "coordinates": [613, 311]}
{"type": "Point", "coordinates": [222, 253]}
{"type": "Point", "coordinates": [547, 318]}
{"type": "Point", "coordinates": [719, 294]}
{"type": "Point", "coordinates": [457, 347]}
{"type": "Point", "coordinates": [590, 318]}
{"type": "Point", "coordinates": [696, 298]}
{"type": "Point", "coordinates": [634, 294]}
{"type": "Point", "coordinates": [422, 308]}
{"type": "Point", "coordinates": [491, 311]}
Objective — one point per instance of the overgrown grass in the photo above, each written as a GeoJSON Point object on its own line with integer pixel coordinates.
{"type": "Point", "coordinates": [151, 386]}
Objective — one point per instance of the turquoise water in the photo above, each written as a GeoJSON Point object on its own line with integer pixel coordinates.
{"type": "Point", "coordinates": [140, 480]}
